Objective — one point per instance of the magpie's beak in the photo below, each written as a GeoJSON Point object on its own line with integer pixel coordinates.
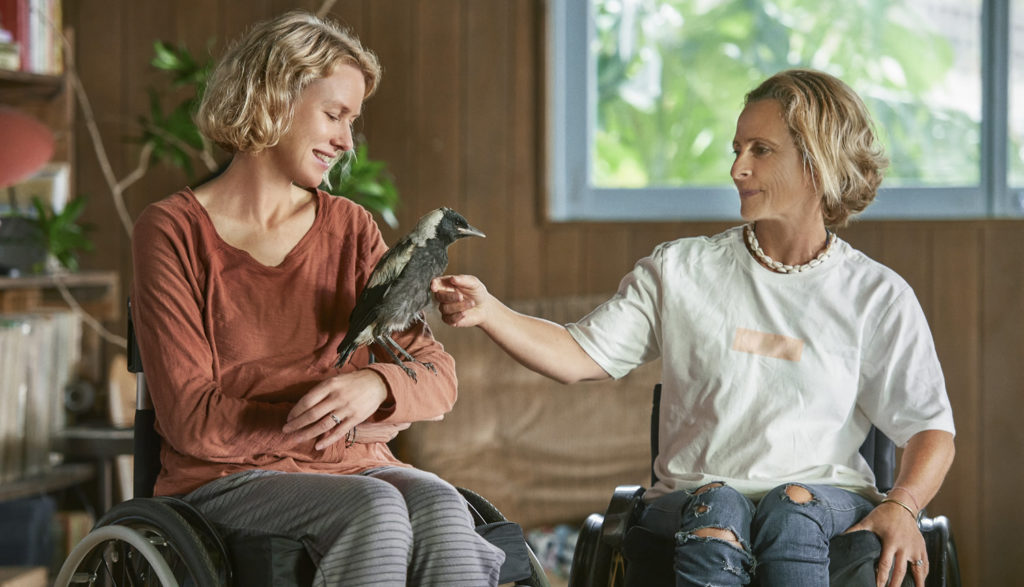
{"type": "Point", "coordinates": [470, 231]}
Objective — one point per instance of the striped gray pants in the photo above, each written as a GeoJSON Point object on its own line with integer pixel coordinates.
{"type": "Point", "coordinates": [389, 526]}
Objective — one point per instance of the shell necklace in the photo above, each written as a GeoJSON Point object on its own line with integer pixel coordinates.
{"type": "Point", "coordinates": [830, 239]}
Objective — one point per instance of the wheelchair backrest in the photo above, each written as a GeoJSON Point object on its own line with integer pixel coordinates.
{"type": "Point", "coordinates": [147, 442]}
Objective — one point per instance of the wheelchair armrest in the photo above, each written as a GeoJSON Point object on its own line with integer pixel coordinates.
{"type": "Point", "coordinates": [942, 555]}
{"type": "Point", "coordinates": [623, 511]}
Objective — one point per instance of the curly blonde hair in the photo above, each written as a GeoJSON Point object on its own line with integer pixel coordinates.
{"type": "Point", "coordinates": [248, 102]}
{"type": "Point", "coordinates": [834, 133]}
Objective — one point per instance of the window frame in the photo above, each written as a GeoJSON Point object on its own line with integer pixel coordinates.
{"type": "Point", "coordinates": [571, 198]}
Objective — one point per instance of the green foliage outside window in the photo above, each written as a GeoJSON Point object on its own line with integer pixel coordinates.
{"type": "Point", "coordinates": [671, 76]}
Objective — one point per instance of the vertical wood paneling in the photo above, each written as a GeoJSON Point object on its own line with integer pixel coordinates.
{"type": "Point", "coordinates": [1002, 435]}
{"type": "Point", "coordinates": [907, 250]}
{"type": "Point", "coordinates": [606, 257]}
{"type": "Point", "coordinates": [98, 58]}
{"type": "Point", "coordinates": [561, 265]}
{"type": "Point", "coordinates": [201, 36]}
{"type": "Point", "coordinates": [487, 138]}
{"type": "Point", "coordinates": [459, 120]}
{"type": "Point", "coordinates": [389, 32]}
{"type": "Point", "coordinates": [438, 107]}
{"type": "Point", "coordinates": [956, 327]}
{"type": "Point", "coordinates": [526, 236]}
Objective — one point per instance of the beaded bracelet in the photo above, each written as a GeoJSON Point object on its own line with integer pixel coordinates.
{"type": "Point", "coordinates": [902, 505]}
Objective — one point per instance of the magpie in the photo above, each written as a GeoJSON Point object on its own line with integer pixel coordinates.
{"type": "Point", "coordinates": [399, 286]}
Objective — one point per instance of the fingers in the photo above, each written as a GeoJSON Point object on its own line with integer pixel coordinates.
{"type": "Point", "coordinates": [883, 570]}
{"type": "Point", "coordinates": [336, 406]}
{"type": "Point", "coordinates": [336, 433]}
{"type": "Point", "coordinates": [466, 283]}
{"type": "Point", "coordinates": [456, 296]}
{"type": "Point", "coordinates": [892, 576]}
{"type": "Point", "coordinates": [304, 412]}
{"type": "Point", "coordinates": [919, 571]}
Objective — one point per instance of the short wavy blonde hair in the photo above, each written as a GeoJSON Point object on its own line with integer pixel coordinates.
{"type": "Point", "coordinates": [248, 102]}
{"type": "Point", "coordinates": [835, 134]}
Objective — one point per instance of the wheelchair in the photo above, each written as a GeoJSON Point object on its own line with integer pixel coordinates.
{"type": "Point", "coordinates": [166, 541]}
{"type": "Point", "coordinates": [599, 558]}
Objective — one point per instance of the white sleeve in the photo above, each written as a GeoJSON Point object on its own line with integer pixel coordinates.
{"type": "Point", "coordinates": [624, 332]}
{"type": "Point", "coordinates": [902, 389]}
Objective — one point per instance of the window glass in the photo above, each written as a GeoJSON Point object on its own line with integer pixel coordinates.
{"type": "Point", "coordinates": [668, 77]}
{"type": "Point", "coordinates": [1016, 100]}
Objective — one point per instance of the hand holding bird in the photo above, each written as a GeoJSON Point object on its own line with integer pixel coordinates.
{"type": "Point", "coordinates": [399, 286]}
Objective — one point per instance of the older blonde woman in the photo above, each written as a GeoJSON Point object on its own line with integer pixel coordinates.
{"type": "Point", "coordinates": [242, 291]}
{"type": "Point", "coordinates": [781, 346]}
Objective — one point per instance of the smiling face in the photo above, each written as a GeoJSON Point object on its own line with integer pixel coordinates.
{"type": "Point", "coordinates": [769, 171]}
{"type": "Point", "coordinates": [321, 127]}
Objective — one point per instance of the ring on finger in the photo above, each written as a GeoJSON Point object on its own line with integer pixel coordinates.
{"type": "Point", "coordinates": [918, 563]}
{"type": "Point", "coordinates": [336, 419]}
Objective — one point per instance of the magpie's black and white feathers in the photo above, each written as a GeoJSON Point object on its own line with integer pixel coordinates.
{"type": "Point", "coordinates": [399, 287]}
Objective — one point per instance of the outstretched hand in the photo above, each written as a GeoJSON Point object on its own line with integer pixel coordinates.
{"type": "Point", "coordinates": [462, 299]}
{"type": "Point", "coordinates": [902, 545]}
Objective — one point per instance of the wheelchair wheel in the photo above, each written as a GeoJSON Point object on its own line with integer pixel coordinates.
{"type": "Point", "coordinates": [592, 560]}
{"type": "Point", "coordinates": [142, 542]}
{"type": "Point", "coordinates": [484, 512]}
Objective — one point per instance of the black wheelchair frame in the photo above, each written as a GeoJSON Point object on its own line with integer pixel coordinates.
{"type": "Point", "coordinates": [165, 541]}
{"type": "Point", "coordinates": [599, 561]}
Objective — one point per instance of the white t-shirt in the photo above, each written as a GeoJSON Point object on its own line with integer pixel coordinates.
{"type": "Point", "coordinates": [770, 378]}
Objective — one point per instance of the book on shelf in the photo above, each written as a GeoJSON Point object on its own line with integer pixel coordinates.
{"type": "Point", "coordinates": [38, 357]}
{"type": "Point", "coordinates": [35, 30]}
{"type": "Point", "coordinates": [10, 54]}
{"type": "Point", "coordinates": [51, 184]}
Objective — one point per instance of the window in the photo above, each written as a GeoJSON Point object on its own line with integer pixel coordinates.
{"type": "Point", "coordinates": [1015, 140]}
{"type": "Point", "coordinates": [644, 96]}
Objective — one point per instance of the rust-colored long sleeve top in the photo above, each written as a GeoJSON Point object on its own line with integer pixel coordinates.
{"type": "Point", "coordinates": [229, 344]}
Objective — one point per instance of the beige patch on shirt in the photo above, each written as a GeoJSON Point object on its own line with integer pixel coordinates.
{"type": "Point", "coordinates": [776, 346]}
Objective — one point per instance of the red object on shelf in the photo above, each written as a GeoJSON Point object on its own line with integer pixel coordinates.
{"type": "Point", "coordinates": [25, 146]}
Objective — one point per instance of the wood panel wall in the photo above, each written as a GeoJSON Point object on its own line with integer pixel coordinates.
{"type": "Point", "coordinates": [459, 119]}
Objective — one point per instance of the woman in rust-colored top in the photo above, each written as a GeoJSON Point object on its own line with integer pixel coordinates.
{"type": "Point", "coordinates": [241, 294]}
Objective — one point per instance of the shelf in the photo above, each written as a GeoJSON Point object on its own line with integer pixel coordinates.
{"type": "Point", "coordinates": [96, 442]}
{"type": "Point", "coordinates": [97, 291]}
{"type": "Point", "coordinates": [72, 280]}
{"type": "Point", "coordinates": [20, 86]}
{"type": "Point", "coordinates": [60, 477]}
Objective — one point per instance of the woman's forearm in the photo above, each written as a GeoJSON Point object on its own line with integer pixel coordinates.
{"type": "Point", "coordinates": [926, 460]}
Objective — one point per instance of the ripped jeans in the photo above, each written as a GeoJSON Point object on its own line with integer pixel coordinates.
{"type": "Point", "coordinates": [783, 542]}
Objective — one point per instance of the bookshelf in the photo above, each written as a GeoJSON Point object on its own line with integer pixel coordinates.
{"type": "Point", "coordinates": [56, 479]}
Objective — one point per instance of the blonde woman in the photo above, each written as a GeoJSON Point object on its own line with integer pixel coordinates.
{"type": "Point", "coordinates": [781, 346]}
{"type": "Point", "coordinates": [242, 291]}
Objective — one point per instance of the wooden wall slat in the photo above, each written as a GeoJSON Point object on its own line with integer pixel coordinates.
{"type": "Point", "coordinates": [1002, 372]}
{"type": "Point", "coordinates": [487, 137]}
{"type": "Point", "coordinates": [437, 106]}
{"type": "Point", "coordinates": [98, 55]}
{"type": "Point", "coordinates": [606, 257]}
{"type": "Point", "coordinates": [391, 110]}
{"type": "Point", "coordinates": [526, 236]}
{"type": "Point", "coordinates": [956, 328]}
{"type": "Point", "coordinates": [561, 266]}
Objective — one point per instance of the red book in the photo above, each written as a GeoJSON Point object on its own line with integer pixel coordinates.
{"type": "Point", "coordinates": [14, 18]}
